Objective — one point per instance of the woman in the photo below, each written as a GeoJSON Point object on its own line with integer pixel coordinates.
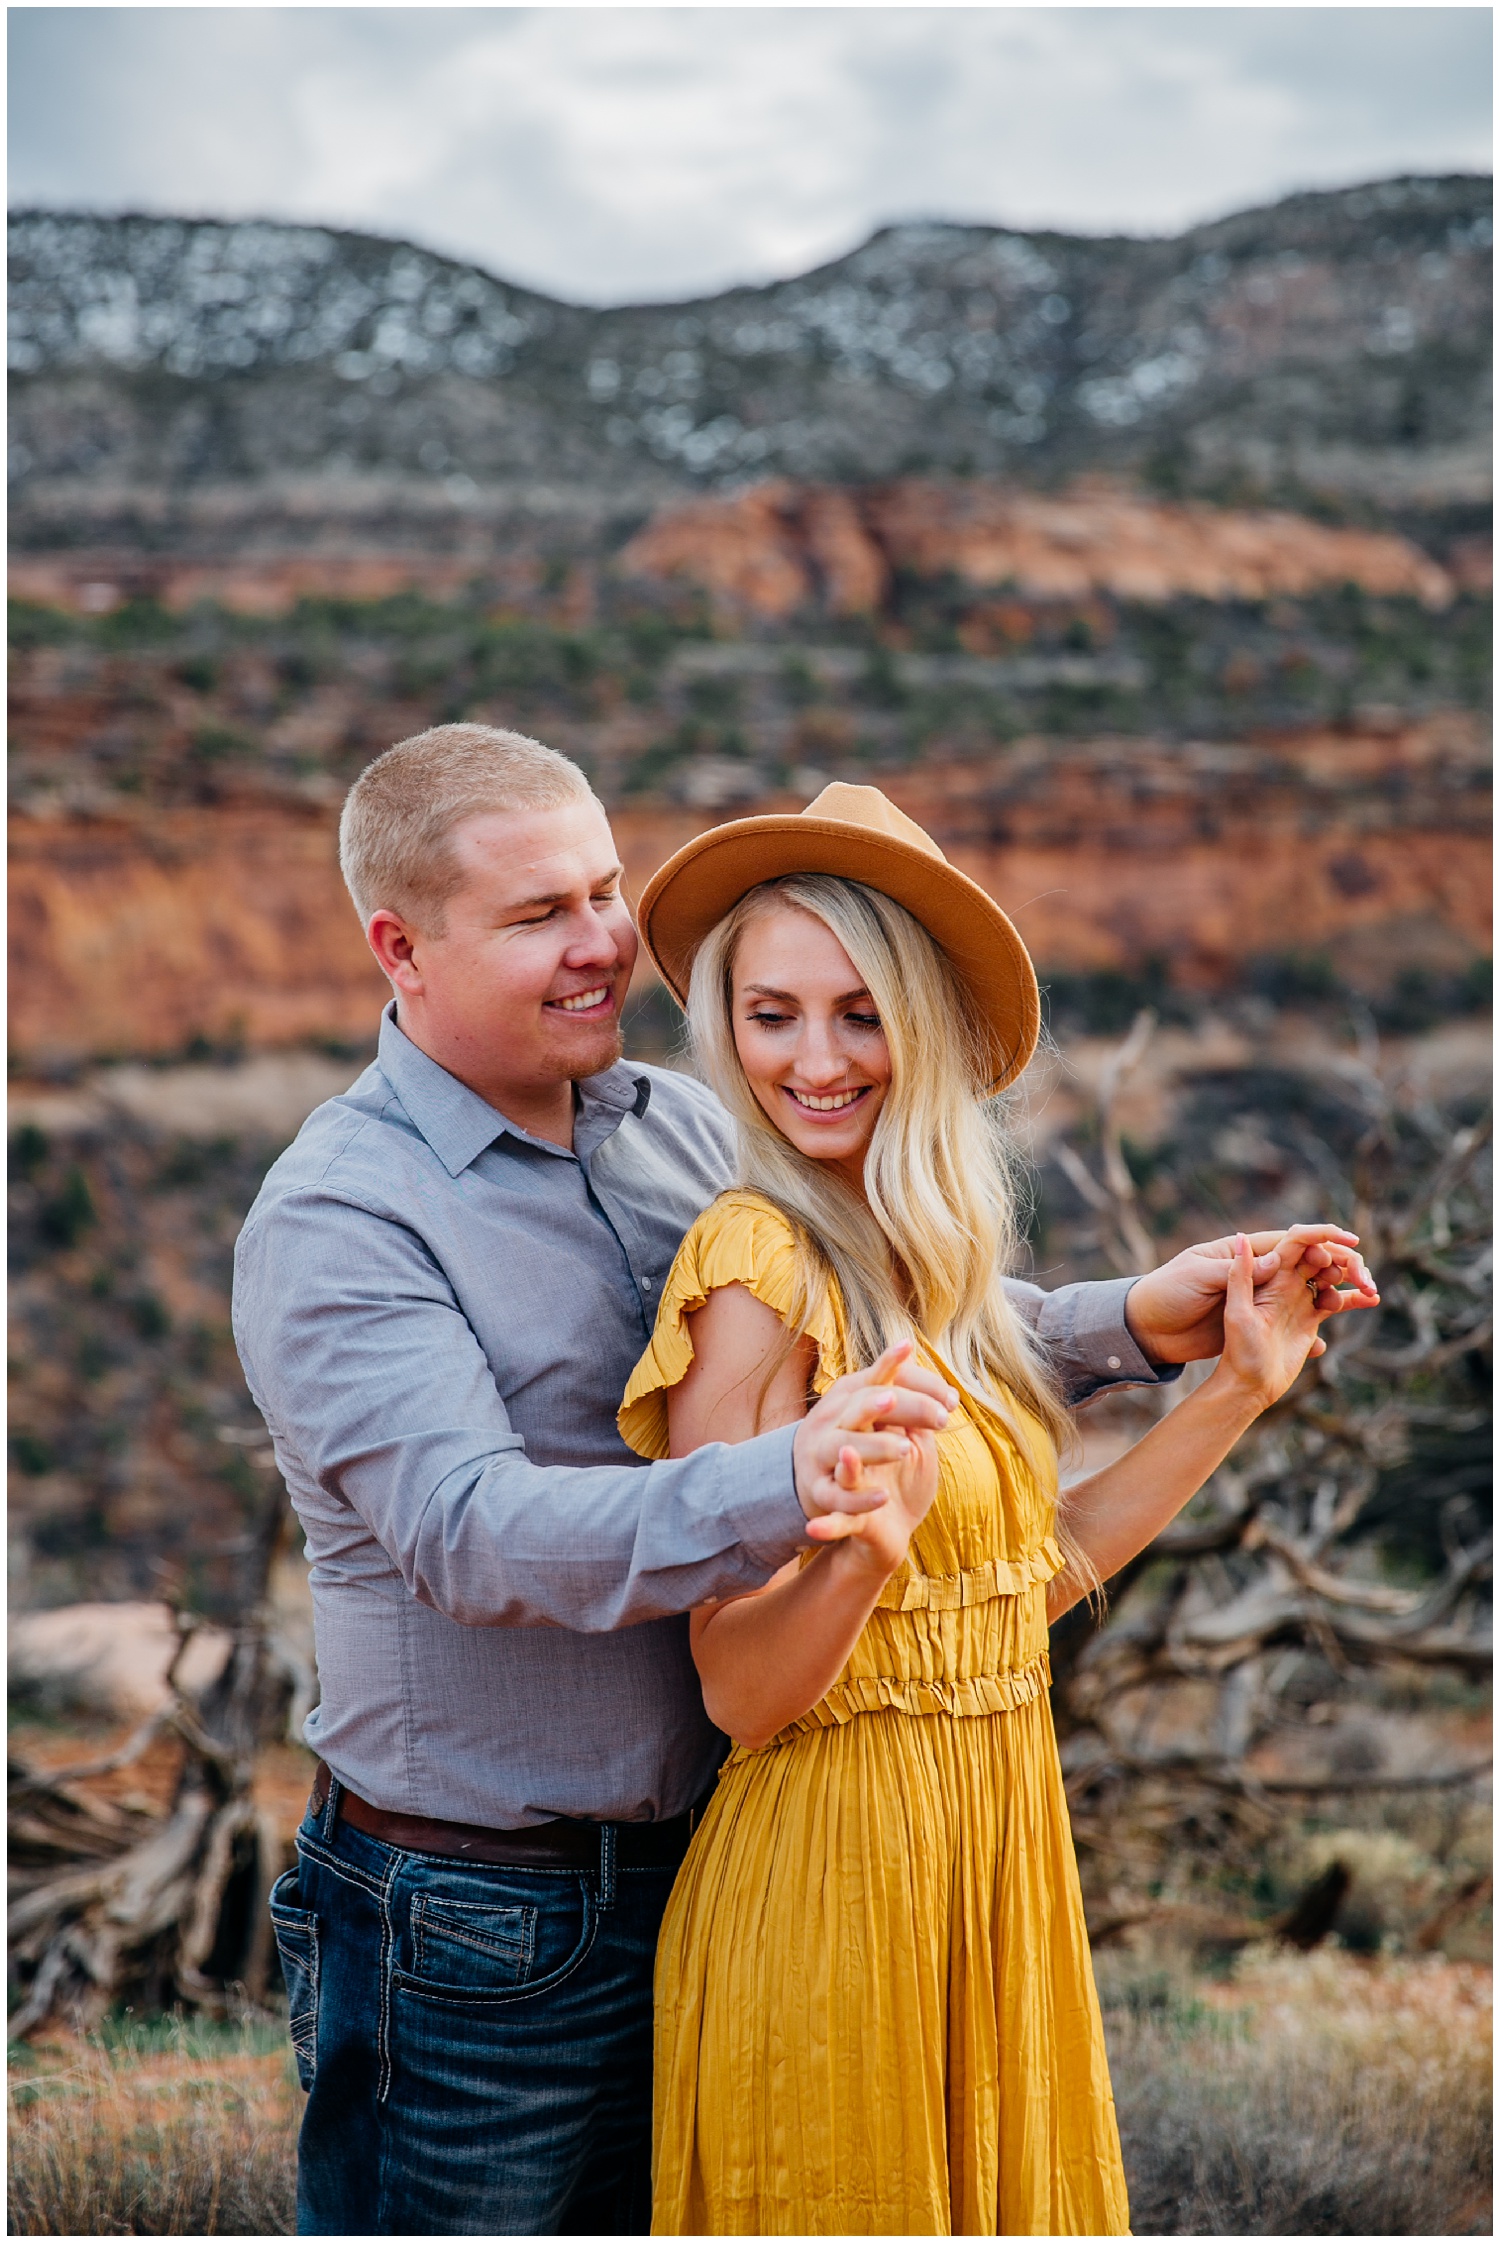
{"type": "Point", "coordinates": [876, 2011]}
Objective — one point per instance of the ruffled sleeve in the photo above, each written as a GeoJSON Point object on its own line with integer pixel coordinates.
{"type": "Point", "coordinates": [740, 1240]}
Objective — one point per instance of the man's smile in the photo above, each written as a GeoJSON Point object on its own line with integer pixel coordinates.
{"type": "Point", "coordinates": [587, 1000]}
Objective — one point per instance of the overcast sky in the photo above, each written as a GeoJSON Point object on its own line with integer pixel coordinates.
{"type": "Point", "coordinates": [628, 153]}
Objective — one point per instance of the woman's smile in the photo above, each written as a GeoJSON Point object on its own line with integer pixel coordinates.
{"type": "Point", "coordinates": [834, 1102]}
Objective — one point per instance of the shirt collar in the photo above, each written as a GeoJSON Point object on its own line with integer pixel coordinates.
{"type": "Point", "coordinates": [458, 1124]}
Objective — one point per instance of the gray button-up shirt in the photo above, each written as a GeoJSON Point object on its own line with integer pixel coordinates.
{"type": "Point", "coordinates": [437, 1313]}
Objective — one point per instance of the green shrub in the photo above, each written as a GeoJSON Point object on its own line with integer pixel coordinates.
{"type": "Point", "coordinates": [33, 625]}
{"type": "Point", "coordinates": [149, 1316]}
{"type": "Point", "coordinates": [136, 623]}
{"type": "Point", "coordinates": [28, 1151]}
{"type": "Point", "coordinates": [32, 1454]}
{"type": "Point", "coordinates": [66, 1217]}
{"type": "Point", "coordinates": [218, 743]}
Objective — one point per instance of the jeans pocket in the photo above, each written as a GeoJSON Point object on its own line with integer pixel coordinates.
{"type": "Point", "coordinates": [471, 1947]}
{"type": "Point", "coordinates": [296, 1932]}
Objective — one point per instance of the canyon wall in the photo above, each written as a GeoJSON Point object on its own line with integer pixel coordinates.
{"type": "Point", "coordinates": [228, 924]}
{"type": "Point", "coordinates": [141, 935]}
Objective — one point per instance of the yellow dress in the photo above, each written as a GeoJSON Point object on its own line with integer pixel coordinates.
{"type": "Point", "coordinates": [875, 2009]}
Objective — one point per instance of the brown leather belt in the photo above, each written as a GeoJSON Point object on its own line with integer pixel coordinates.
{"type": "Point", "coordinates": [561, 1844]}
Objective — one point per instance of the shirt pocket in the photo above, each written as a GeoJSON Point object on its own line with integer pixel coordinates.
{"type": "Point", "coordinates": [472, 1946]}
{"type": "Point", "coordinates": [296, 1932]}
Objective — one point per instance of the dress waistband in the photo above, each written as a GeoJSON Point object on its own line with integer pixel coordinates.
{"type": "Point", "coordinates": [980, 1584]}
{"type": "Point", "coordinates": [964, 1698]}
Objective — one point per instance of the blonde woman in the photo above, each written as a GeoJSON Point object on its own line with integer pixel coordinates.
{"type": "Point", "coordinates": [875, 2007]}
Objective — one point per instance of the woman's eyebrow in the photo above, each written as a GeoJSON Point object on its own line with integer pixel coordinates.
{"type": "Point", "coordinates": [761, 989]}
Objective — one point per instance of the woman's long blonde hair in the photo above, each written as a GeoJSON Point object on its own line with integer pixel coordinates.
{"type": "Point", "coordinates": [927, 1253]}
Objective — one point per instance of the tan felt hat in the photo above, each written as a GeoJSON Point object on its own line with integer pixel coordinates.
{"type": "Point", "coordinates": [856, 833]}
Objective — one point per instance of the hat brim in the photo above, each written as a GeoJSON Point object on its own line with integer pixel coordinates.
{"type": "Point", "coordinates": [692, 891]}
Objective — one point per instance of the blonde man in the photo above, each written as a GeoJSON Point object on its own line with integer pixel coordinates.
{"type": "Point", "coordinates": [440, 1293]}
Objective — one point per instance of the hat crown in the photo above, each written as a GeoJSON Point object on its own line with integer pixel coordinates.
{"type": "Point", "coordinates": [857, 834]}
{"type": "Point", "coordinates": [867, 807]}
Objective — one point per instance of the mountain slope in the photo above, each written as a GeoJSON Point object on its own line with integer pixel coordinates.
{"type": "Point", "coordinates": [1335, 343]}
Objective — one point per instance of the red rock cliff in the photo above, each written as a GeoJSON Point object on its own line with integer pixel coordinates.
{"type": "Point", "coordinates": [135, 934]}
{"type": "Point", "coordinates": [783, 546]}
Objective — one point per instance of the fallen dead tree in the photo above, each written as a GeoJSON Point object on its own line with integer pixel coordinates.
{"type": "Point", "coordinates": [1274, 1593]}
{"type": "Point", "coordinates": [111, 1903]}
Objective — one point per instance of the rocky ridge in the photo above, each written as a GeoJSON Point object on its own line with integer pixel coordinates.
{"type": "Point", "coordinates": [1335, 342]}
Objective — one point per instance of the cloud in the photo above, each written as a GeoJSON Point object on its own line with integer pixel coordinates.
{"type": "Point", "coordinates": [622, 153]}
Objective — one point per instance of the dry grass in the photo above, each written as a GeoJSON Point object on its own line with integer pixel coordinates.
{"type": "Point", "coordinates": [172, 2129]}
{"type": "Point", "coordinates": [1306, 2095]}
{"type": "Point", "coordinates": [1319, 2095]}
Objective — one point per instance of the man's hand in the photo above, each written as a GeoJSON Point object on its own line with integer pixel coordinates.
{"type": "Point", "coordinates": [1176, 1314]}
{"type": "Point", "coordinates": [864, 1418]}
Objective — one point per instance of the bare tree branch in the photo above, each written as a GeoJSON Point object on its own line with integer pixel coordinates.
{"type": "Point", "coordinates": [1284, 1574]}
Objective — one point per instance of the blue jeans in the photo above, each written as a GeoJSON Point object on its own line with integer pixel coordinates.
{"type": "Point", "coordinates": [475, 2042]}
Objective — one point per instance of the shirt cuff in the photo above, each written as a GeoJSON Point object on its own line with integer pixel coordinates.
{"type": "Point", "coordinates": [1083, 1327]}
{"type": "Point", "coordinates": [759, 1488]}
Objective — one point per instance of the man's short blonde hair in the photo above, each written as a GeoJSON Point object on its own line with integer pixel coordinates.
{"type": "Point", "coordinates": [401, 812]}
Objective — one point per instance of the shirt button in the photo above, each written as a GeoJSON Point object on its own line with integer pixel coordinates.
{"type": "Point", "coordinates": [1114, 1362]}
{"type": "Point", "coordinates": [645, 1284]}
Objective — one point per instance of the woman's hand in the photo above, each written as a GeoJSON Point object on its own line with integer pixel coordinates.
{"type": "Point", "coordinates": [765, 1659]}
{"type": "Point", "coordinates": [1270, 1329]}
{"type": "Point", "coordinates": [880, 1538]}
{"type": "Point", "coordinates": [870, 1415]}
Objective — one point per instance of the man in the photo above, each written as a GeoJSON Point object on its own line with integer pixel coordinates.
{"type": "Point", "coordinates": [440, 1292]}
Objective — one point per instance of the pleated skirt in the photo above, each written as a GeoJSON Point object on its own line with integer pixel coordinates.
{"type": "Point", "coordinates": [875, 2007]}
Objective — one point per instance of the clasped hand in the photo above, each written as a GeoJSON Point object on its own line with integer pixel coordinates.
{"type": "Point", "coordinates": [1176, 1313]}
{"type": "Point", "coordinates": [1271, 1328]}
{"type": "Point", "coordinates": [866, 1455]}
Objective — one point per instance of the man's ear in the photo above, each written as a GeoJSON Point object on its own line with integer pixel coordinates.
{"type": "Point", "coordinates": [393, 940]}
